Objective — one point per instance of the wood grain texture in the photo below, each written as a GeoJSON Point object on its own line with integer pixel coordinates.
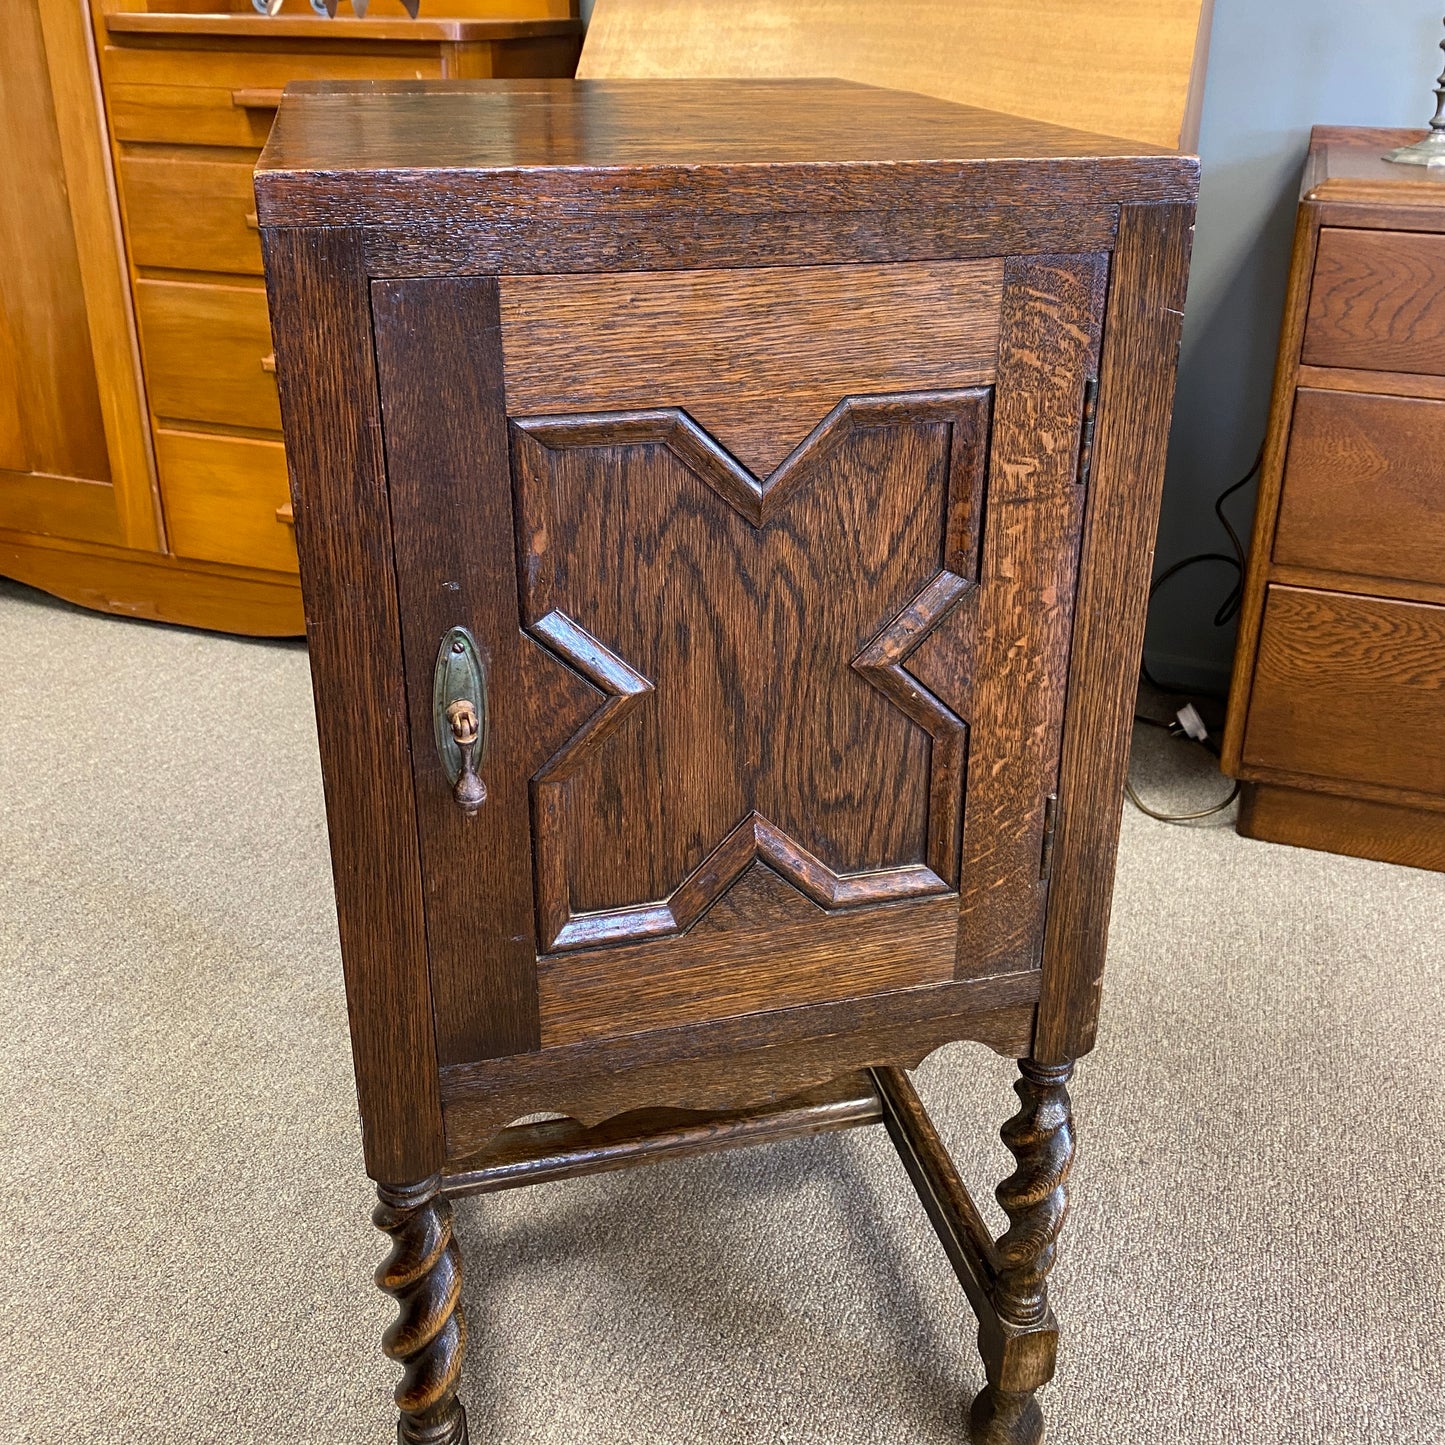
{"type": "Point", "coordinates": [221, 498]}
{"type": "Point", "coordinates": [184, 115]}
{"type": "Point", "coordinates": [1357, 827]}
{"type": "Point", "coordinates": [156, 586]}
{"type": "Point", "coordinates": [246, 25]}
{"type": "Point", "coordinates": [439, 354]}
{"type": "Point", "coordinates": [1364, 486]}
{"type": "Point", "coordinates": [1131, 63]}
{"type": "Point", "coordinates": [1136, 392]}
{"type": "Point", "coordinates": [755, 637]}
{"type": "Point", "coordinates": [1346, 167]}
{"type": "Point", "coordinates": [1344, 577]}
{"type": "Point", "coordinates": [735, 1063]}
{"type": "Point", "coordinates": [572, 244]}
{"type": "Point", "coordinates": [1409, 590]}
{"type": "Point", "coordinates": [129, 60]}
{"type": "Point", "coordinates": [322, 316]}
{"type": "Point", "coordinates": [1377, 301]}
{"type": "Point", "coordinates": [1016, 648]}
{"type": "Point", "coordinates": [737, 962]}
{"type": "Point", "coordinates": [1271, 479]}
{"type": "Point", "coordinates": [501, 155]}
{"type": "Point", "coordinates": [423, 1273]}
{"type": "Point", "coordinates": [188, 211]}
{"type": "Point", "coordinates": [564, 1149]}
{"type": "Point", "coordinates": [714, 343]}
{"type": "Point", "coordinates": [1381, 383]}
{"type": "Point", "coordinates": [90, 187]}
{"type": "Point", "coordinates": [1349, 688]}
{"type": "Point", "coordinates": [203, 351]}
{"type": "Point", "coordinates": [71, 408]}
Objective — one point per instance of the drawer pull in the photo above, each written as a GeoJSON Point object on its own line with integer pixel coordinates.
{"type": "Point", "coordinates": [459, 716]}
{"type": "Point", "coordinates": [284, 513]}
{"type": "Point", "coordinates": [256, 99]}
{"type": "Point", "coordinates": [253, 221]}
{"type": "Point", "coordinates": [268, 362]}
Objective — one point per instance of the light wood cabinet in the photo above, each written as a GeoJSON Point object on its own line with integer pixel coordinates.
{"type": "Point", "coordinates": [74, 452]}
{"type": "Point", "coordinates": [140, 444]}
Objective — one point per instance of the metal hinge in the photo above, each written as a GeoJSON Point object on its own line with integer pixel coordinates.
{"type": "Point", "coordinates": [1046, 853]}
{"type": "Point", "coordinates": [1086, 431]}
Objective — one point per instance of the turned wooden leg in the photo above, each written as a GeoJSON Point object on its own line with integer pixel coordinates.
{"type": "Point", "coordinates": [1019, 1348]}
{"type": "Point", "coordinates": [424, 1273]}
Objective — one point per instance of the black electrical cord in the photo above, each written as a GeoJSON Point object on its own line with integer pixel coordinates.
{"type": "Point", "coordinates": [1228, 609]}
{"type": "Point", "coordinates": [1225, 614]}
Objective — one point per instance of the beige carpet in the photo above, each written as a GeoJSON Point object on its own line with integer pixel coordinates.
{"type": "Point", "coordinates": [1255, 1252]}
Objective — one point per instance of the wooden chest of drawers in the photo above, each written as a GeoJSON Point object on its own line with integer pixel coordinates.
{"type": "Point", "coordinates": [203, 534]}
{"type": "Point", "coordinates": [1335, 719]}
{"type": "Point", "coordinates": [725, 512]}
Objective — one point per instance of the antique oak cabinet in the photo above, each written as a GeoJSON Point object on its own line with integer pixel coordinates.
{"type": "Point", "coordinates": [725, 512]}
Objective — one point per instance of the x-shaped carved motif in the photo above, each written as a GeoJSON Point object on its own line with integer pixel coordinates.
{"type": "Point", "coordinates": [542, 514]}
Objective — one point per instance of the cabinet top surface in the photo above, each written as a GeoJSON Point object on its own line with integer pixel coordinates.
{"type": "Point", "coordinates": [327, 132]}
{"type": "Point", "coordinates": [1347, 164]}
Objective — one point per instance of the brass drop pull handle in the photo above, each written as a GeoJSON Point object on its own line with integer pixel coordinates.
{"type": "Point", "coordinates": [459, 714]}
{"type": "Point", "coordinates": [469, 790]}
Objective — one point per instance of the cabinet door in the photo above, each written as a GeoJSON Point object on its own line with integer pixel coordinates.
{"type": "Point", "coordinates": [772, 572]}
{"type": "Point", "coordinates": [74, 455]}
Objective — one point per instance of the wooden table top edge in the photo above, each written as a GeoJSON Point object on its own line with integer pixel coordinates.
{"type": "Point", "coordinates": [237, 26]}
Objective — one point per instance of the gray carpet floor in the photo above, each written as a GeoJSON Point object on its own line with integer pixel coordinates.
{"type": "Point", "coordinates": [1254, 1254]}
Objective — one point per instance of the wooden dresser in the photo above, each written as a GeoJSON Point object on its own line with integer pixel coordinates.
{"type": "Point", "coordinates": [1337, 709]}
{"type": "Point", "coordinates": [203, 534]}
{"type": "Point", "coordinates": [725, 512]}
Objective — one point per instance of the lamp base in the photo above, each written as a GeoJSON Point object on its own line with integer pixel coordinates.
{"type": "Point", "coordinates": [1427, 152]}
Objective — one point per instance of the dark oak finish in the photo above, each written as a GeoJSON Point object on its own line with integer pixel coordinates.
{"type": "Point", "coordinates": [322, 316]}
{"type": "Point", "coordinates": [564, 1149]}
{"type": "Point", "coordinates": [1136, 393]}
{"type": "Point", "coordinates": [715, 342]}
{"type": "Point", "coordinates": [1330, 721]}
{"type": "Point", "coordinates": [423, 1272]}
{"type": "Point", "coordinates": [801, 540]}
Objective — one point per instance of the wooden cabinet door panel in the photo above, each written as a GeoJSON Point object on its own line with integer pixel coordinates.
{"type": "Point", "coordinates": [73, 455]}
{"type": "Point", "coordinates": [740, 709]}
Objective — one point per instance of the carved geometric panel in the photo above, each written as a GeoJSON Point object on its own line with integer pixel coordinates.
{"type": "Point", "coordinates": [749, 640]}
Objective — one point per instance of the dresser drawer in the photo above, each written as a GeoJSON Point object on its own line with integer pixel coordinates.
{"type": "Point", "coordinates": [232, 79]}
{"type": "Point", "coordinates": [221, 497]}
{"type": "Point", "coordinates": [1377, 302]}
{"type": "Point", "coordinates": [191, 214]}
{"type": "Point", "coordinates": [1350, 688]}
{"type": "Point", "coordinates": [207, 350]}
{"type": "Point", "coordinates": [1364, 486]}
{"type": "Point", "coordinates": [198, 115]}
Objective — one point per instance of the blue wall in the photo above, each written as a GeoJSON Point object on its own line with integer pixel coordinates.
{"type": "Point", "coordinates": [1275, 68]}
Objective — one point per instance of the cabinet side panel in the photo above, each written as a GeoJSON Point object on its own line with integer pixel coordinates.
{"type": "Point", "coordinates": [1136, 392]}
{"type": "Point", "coordinates": [321, 314]}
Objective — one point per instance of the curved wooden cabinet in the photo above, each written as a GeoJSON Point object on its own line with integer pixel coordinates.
{"type": "Point", "coordinates": [141, 466]}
